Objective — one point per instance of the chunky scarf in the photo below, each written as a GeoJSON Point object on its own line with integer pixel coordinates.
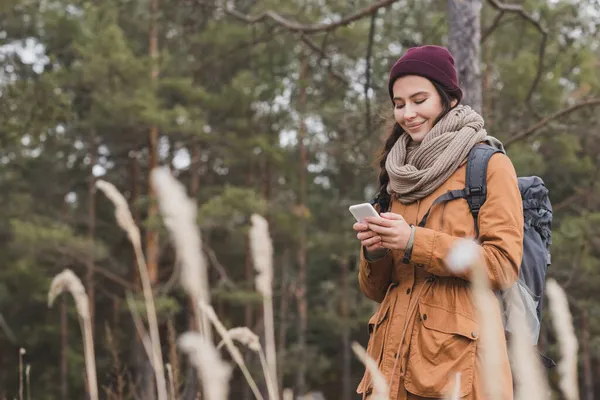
{"type": "Point", "coordinates": [417, 169]}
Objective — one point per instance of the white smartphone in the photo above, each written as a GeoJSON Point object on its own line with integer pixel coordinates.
{"type": "Point", "coordinates": [363, 210]}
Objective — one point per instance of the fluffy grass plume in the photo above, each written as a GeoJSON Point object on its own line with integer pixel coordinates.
{"type": "Point", "coordinates": [380, 387]}
{"type": "Point", "coordinates": [68, 281]}
{"type": "Point", "coordinates": [565, 333]}
{"type": "Point", "coordinates": [179, 215]}
{"type": "Point", "coordinates": [21, 354]}
{"type": "Point", "coordinates": [288, 394]}
{"type": "Point", "coordinates": [212, 371]}
{"type": "Point", "coordinates": [248, 338]}
{"type": "Point", "coordinates": [530, 380]}
{"type": "Point", "coordinates": [127, 223]}
{"type": "Point", "coordinates": [234, 351]}
{"type": "Point", "coordinates": [466, 255]}
{"type": "Point", "coordinates": [262, 256]}
{"type": "Point", "coordinates": [454, 393]}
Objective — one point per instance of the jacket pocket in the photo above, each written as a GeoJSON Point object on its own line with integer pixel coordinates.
{"type": "Point", "coordinates": [377, 329]}
{"type": "Point", "coordinates": [443, 343]}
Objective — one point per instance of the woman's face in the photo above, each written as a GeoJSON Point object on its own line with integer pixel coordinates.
{"type": "Point", "coordinates": [417, 104]}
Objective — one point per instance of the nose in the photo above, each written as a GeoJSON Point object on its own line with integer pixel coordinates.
{"type": "Point", "coordinates": [409, 112]}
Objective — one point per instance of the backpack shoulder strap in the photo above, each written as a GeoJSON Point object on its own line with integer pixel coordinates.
{"type": "Point", "coordinates": [476, 179]}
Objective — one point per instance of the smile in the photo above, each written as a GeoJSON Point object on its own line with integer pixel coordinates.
{"type": "Point", "coordinates": [415, 126]}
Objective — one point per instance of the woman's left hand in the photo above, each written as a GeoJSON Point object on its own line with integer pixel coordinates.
{"type": "Point", "coordinates": [392, 228]}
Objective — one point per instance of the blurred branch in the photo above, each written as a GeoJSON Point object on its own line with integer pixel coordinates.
{"type": "Point", "coordinates": [492, 28]}
{"type": "Point", "coordinates": [312, 28]}
{"type": "Point", "coordinates": [518, 9]}
{"type": "Point", "coordinates": [7, 331]}
{"type": "Point", "coordinates": [321, 51]}
{"type": "Point", "coordinates": [532, 129]}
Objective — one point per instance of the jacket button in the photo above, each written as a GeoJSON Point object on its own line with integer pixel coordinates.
{"type": "Point", "coordinates": [408, 291]}
{"type": "Point", "coordinates": [424, 317]}
{"type": "Point", "coordinates": [474, 334]}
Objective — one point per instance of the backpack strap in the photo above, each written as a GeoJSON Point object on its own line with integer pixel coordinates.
{"type": "Point", "coordinates": [476, 179]}
{"type": "Point", "coordinates": [475, 190]}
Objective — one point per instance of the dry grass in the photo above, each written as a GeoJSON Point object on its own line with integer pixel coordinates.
{"type": "Point", "coordinates": [127, 223]}
{"type": "Point", "coordinates": [262, 255]}
{"type": "Point", "coordinates": [68, 281]}
{"type": "Point", "coordinates": [565, 333]}
{"type": "Point", "coordinates": [235, 353]}
{"type": "Point", "coordinates": [179, 216]}
{"type": "Point", "coordinates": [212, 371]}
{"type": "Point", "coordinates": [530, 382]}
{"type": "Point", "coordinates": [465, 255]}
{"type": "Point", "coordinates": [380, 386]}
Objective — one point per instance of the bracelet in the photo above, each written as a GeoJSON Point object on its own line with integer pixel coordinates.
{"type": "Point", "coordinates": [409, 246]}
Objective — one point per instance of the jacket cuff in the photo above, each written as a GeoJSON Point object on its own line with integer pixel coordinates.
{"type": "Point", "coordinates": [423, 246]}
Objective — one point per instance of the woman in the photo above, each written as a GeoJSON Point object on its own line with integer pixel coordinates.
{"type": "Point", "coordinates": [425, 330]}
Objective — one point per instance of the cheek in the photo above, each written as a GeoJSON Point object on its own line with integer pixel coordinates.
{"type": "Point", "coordinates": [398, 115]}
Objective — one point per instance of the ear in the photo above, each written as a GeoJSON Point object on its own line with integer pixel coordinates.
{"type": "Point", "coordinates": [453, 103]}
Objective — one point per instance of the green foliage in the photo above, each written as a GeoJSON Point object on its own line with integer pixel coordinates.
{"type": "Point", "coordinates": [226, 103]}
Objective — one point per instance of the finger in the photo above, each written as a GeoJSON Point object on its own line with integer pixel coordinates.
{"type": "Point", "coordinates": [371, 241]}
{"type": "Point", "coordinates": [360, 226]}
{"type": "Point", "coordinates": [392, 216]}
{"type": "Point", "coordinates": [382, 230]}
{"type": "Point", "coordinates": [387, 222]}
{"type": "Point", "coordinates": [365, 234]}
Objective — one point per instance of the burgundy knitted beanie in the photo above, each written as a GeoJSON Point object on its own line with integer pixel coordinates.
{"type": "Point", "coordinates": [432, 62]}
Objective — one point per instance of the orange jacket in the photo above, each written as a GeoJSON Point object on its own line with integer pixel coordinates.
{"type": "Point", "coordinates": [426, 329]}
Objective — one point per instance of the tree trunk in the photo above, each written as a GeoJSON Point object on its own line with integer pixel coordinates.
{"type": "Point", "coordinates": [89, 279]}
{"type": "Point", "coordinates": [301, 286]}
{"type": "Point", "coordinates": [64, 349]}
{"type": "Point", "coordinates": [464, 38]}
{"type": "Point", "coordinates": [283, 317]}
{"type": "Point", "coordinates": [345, 314]}
{"type": "Point", "coordinates": [588, 373]}
{"type": "Point", "coordinates": [151, 232]}
{"type": "Point", "coordinates": [148, 387]}
{"type": "Point", "coordinates": [249, 277]}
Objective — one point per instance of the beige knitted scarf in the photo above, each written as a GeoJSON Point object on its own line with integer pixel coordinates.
{"type": "Point", "coordinates": [417, 169]}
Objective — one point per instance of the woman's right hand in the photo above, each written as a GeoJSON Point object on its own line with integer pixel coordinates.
{"type": "Point", "coordinates": [367, 237]}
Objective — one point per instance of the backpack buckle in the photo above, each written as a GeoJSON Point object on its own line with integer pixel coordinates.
{"type": "Point", "coordinates": [474, 191]}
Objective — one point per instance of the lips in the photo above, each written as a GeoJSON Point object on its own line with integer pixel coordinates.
{"type": "Point", "coordinates": [415, 126]}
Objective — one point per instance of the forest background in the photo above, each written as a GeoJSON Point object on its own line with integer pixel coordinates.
{"type": "Point", "coordinates": [280, 113]}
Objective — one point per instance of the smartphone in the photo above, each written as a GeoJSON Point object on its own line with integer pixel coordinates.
{"type": "Point", "coordinates": [363, 210]}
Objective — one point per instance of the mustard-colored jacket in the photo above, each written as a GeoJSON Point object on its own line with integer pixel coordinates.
{"type": "Point", "coordinates": [426, 329]}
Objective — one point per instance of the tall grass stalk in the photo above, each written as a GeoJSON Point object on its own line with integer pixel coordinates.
{"type": "Point", "coordinates": [262, 255]}
{"type": "Point", "coordinates": [530, 380]}
{"type": "Point", "coordinates": [21, 354]}
{"type": "Point", "coordinates": [381, 390]}
{"type": "Point", "coordinates": [212, 371]}
{"type": "Point", "coordinates": [234, 351]}
{"type": "Point", "coordinates": [179, 216]}
{"type": "Point", "coordinates": [248, 338]}
{"type": "Point", "coordinates": [565, 333]}
{"type": "Point", "coordinates": [127, 223]}
{"type": "Point", "coordinates": [68, 281]}
{"type": "Point", "coordinates": [466, 255]}
{"type": "Point", "coordinates": [172, 395]}
{"type": "Point", "coordinates": [28, 381]}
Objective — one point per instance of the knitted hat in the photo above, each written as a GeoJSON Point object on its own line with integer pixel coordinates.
{"type": "Point", "coordinates": [432, 62]}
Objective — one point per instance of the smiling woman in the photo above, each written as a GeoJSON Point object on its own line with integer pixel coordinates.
{"type": "Point", "coordinates": [426, 331]}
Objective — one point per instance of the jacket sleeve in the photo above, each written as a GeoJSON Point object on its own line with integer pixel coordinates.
{"type": "Point", "coordinates": [374, 277]}
{"type": "Point", "coordinates": [500, 231]}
